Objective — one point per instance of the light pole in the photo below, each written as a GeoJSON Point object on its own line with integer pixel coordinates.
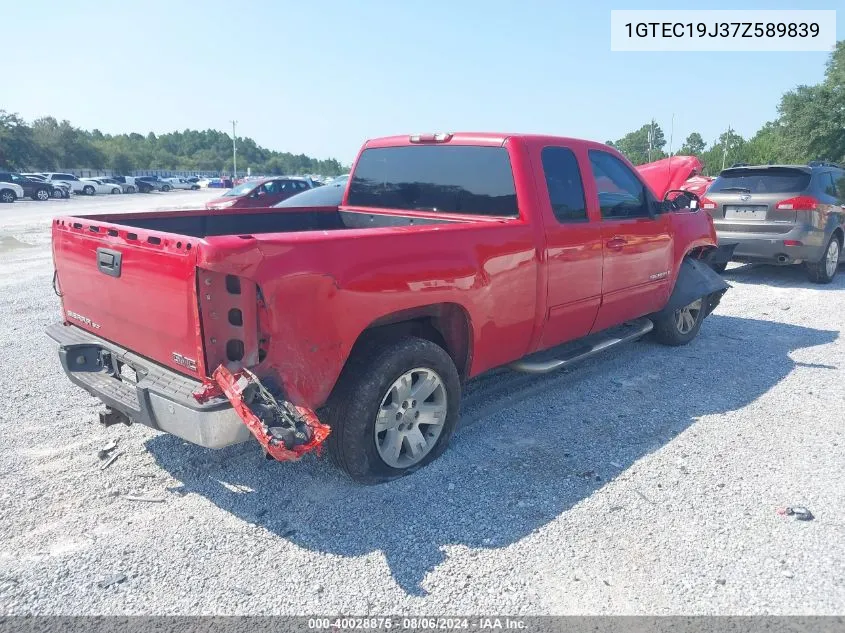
{"type": "Point", "coordinates": [234, 152]}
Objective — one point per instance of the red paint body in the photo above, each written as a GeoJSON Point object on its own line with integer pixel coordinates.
{"type": "Point", "coordinates": [496, 288]}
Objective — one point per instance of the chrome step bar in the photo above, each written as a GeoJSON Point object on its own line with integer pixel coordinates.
{"type": "Point", "coordinates": [639, 328]}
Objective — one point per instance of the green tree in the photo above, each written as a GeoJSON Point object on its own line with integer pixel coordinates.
{"type": "Point", "coordinates": [693, 146]}
{"type": "Point", "coordinates": [636, 145]}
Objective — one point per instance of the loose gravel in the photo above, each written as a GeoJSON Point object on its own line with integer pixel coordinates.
{"type": "Point", "coordinates": [645, 481]}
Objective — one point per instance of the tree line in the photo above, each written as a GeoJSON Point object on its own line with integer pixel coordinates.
{"type": "Point", "coordinates": [47, 144]}
{"type": "Point", "coordinates": [810, 126]}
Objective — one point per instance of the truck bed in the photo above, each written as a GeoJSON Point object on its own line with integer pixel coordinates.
{"type": "Point", "coordinates": [204, 223]}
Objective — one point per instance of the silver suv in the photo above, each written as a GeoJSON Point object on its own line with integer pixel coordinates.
{"type": "Point", "coordinates": [782, 214]}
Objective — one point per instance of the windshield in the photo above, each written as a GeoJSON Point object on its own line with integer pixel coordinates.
{"type": "Point", "coordinates": [328, 195]}
{"type": "Point", "coordinates": [241, 190]}
{"type": "Point", "coordinates": [764, 180]}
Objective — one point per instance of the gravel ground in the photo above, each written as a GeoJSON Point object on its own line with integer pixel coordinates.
{"type": "Point", "coordinates": [645, 481]}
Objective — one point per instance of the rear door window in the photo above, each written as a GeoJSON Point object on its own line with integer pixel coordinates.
{"type": "Point", "coordinates": [763, 180]}
{"type": "Point", "coordinates": [828, 183]}
{"type": "Point", "coordinates": [563, 181]}
{"type": "Point", "coordinates": [447, 178]}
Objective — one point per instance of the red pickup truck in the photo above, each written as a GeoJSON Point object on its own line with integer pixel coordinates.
{"type": "Point", "coordinates": [451, 254]}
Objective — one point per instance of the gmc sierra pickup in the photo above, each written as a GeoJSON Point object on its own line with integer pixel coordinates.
{"type": "Point", "coordinates": [451, 254]}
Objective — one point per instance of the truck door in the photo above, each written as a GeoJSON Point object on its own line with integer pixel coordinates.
{"type": "Point", "coordinates": [573, 248]}
{"type": "Point", "coordinates": [636, 243]}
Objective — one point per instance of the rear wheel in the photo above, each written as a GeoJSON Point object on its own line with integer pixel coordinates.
{"type": "Point", "coordinates": [7, 195]}
{"type": "Point", "coordinates": [166, 188]}
{"type": "Point", "coordinates": [41, 194]}
{"type": "Point", "coordinates": [116, 190]}
{"type": "Point", "coordinates": [130, 189]}
{"type": "Point", "coordinates": [393, 410]}
{"type": "Point", "coordinates": [88, 190]}
{"type": "Point", "coordinates": [680, 326]}
{"type": "Point", "coordinates": [824, 270]}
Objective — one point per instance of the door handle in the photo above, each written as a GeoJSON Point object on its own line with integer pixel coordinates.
{"type": "Point", "coordinates": [616, 243]}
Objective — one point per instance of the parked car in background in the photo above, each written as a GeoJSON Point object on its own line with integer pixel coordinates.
{"type": "Point", "coordinates": [782, 214]}
{"type": "Point", "coordinates": [329, 195]}
{"type": "Point", "coordinates": [260, 193]}
{"type": "Point", "coordinates": [127, 183]}
{"type": "Point", "coordinates": [153, 183]}
{"type": "Point", "coordinates": [181, 183]}
{"type": "Point", "coordinates": [72, 181]}
{"type": "Point", "coordinates": [57, 189]}
{"type": "Point", "coordinates": [32, 188]}
{"type": "Point", "coordinates": [9, 192]}
{"type": "Point", "coordinates": [100, 186]}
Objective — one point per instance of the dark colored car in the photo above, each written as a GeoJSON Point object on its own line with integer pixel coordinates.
{"type": "Point", "coordinates": [782, 214]}
{"type": "Point", "coordinates": [327, 195]}
{"type": "Point", "coordinates": [265, 192]}
{"type": "Point", "coordinates": [151, 183]}
{"type": "Point", "coordinates": [32, 187]}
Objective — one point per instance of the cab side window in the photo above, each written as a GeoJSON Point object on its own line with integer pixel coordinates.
{"type": "Point", "coordinates": [621, 194]}
{"type": "Point", "coordinates": [563, 181]}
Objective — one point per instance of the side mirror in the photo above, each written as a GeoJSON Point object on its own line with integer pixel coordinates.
{"type": "Point", "coordinates": [677, 199]}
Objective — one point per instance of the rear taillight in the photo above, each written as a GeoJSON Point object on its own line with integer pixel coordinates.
{"type": "Point", "coordinates": [707, 204]}
{"type": "Point", "coordinates": [229, 317]}
{"type": "Point", "coordinates": [798, 203]}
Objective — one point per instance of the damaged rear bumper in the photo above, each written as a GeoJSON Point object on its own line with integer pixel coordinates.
{"type": "Point", "coordinates": [155, 396]}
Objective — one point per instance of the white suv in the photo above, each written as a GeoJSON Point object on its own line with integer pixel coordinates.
{"type": "Point", "coordinates": [76, 185]}
{"type": "Point", "coordinates": [9, 192]}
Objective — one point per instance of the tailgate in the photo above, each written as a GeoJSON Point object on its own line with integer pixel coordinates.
{"type": "Point", "coordinates": [133, 287]}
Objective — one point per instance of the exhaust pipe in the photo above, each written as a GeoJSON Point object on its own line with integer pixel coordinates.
{"type": "Point", "coordinates": [782, 259]}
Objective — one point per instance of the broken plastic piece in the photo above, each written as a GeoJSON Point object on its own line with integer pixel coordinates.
{"type": "Point", "coordinates": [799, 512]}
{"type": "Point", "coordinates": [284, 430]}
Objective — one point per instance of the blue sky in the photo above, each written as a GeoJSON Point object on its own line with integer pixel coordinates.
{"type": "Point", "coordinates": [320, 77]}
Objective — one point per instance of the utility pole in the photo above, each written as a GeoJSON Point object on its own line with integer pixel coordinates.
{"type": "Point", "coordinates": [725, 146]}
{"type": "Point", "coordinates": [234, 152]}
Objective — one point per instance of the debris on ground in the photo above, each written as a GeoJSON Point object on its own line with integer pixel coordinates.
{"type": "Point", "coordinates": [110, 460]}
{"type": "Point", "coordinates": [799, 512]}
{"type": "Point", "coordinates": [103, 453]}
{"type": "Point", "coordinates": [144, 499]}
{"type": "Point", "coordinates": [114, 579]}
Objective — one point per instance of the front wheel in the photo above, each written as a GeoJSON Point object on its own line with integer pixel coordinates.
{"type": "Point", "coordinates": [88, 190]}
{"type": "Point", "coordinates": [7, 196]}
{"type": "Point", "coordinates": [680, 326]}
{"type": "Point", "coordinates": [166, 188]}
{"type": "Point", "coordinates": [115, 190]}
{"type": "Point", "coordinates": [393, 410]}
{"type": "Point", "coordinates": [824, 270]}
{"type": "Point", "coordinates": [41, 194]}
{"type": "Point", "coordinates": [130, 189]}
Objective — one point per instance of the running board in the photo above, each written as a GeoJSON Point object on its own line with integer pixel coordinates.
{"type": "Point", "coordinates": [565, 355]}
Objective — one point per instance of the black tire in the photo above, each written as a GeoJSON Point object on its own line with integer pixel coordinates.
{"type": "Point", "coordinates": [116, 190]}
{"type": "Point", "coordinates": [130, 189]}
{"type": "Point", "coordinates": [819, 272]}
{"type": "Point", "coordinates": [720, 268]}
{"type": "Point", "coordinates": [41, 195]}
{"type": "Point", "coordinates": [58, 193]}
{"type": "Point", "coordinates": [7, 196]}
{"type": "Point", "coordinates": [355, 401]}
{"type": "Point", "coordinates": [668, 331]}
{"type": "Point", "coordinates": [88, 190]}
{"type": "Point", "coordinates": [165, 188]}
{"type": "Point", "coordinates": [195, 188]}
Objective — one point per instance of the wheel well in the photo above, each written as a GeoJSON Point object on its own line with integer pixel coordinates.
{"type": "Point", "coordinates": [837, 233]}
{"type": "Point", "coordinates": [444, 324]}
